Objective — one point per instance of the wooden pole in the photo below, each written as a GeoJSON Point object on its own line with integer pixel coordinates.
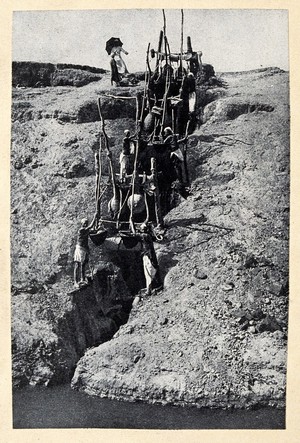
{"type": "Point", "coordinates": [165, 37]}
{"type": "Point", "coordinates": [167, 86]}
{"type": "Point", "coordinates": [97, 167]}
{"type": "Point", "coordinates": [173, 119]}
{"type": "Point", "coordinates": [159, 49]}
{"type": "Point", "coordinates": [147, 78]}
{"type": "Point", "coordinates": [147, 60]}
{"type": "Point", "coordinates": [131, 223]}
{"type": "Point", "coordinates": [186, 171]}
{"type": "Point", "coordinates": [181, 46]}
{"type": "Point", "coordinates": [147, 208]}
{"type": "Point", "coordinates": [158, 213]}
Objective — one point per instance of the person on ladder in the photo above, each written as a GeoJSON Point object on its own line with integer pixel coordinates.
{"type": "Point", "coordinates": [125, 156]}
{"type": "Point", "coordinates": [172, 143]}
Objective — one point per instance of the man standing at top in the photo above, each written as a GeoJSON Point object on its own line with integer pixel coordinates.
{"type": "Point", "coordinates": [81, 254]}
{"type": "Point", "coordinates": [115, 77]}
{"type": "Point", "coordinates": [116, 50]}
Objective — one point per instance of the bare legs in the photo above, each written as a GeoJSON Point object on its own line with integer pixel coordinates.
{"type": "Point", "coordinates": [79, 272]}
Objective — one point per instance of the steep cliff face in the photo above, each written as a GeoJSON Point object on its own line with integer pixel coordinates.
{"type": "Point", "coordinates": [55, 132]}
{"type": "Point", "coordinates": [52, 329]}
{"type": "Point", "coordinates": [216, 336]}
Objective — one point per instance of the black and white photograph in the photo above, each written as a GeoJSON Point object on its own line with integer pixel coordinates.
{"type": "Point", "coordinates": [150, 218]}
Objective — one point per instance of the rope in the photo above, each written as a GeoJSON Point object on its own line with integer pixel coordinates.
{"type": "Point", "coordinates": [99, 206]}
{"type": "Point", "coordinates": [98, 179]}
{"type": "Point", "coordinates": [107, 149]}
{"type": "Point", "coordinates": [121, 207]}
{"type": "Point", "coordinates": [103, 192]}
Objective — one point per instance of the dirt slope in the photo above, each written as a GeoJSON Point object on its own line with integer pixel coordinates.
{"type": "Point", "coordinates": [216, 335]}
{"type": "Point", "coordinates": [54, 134]}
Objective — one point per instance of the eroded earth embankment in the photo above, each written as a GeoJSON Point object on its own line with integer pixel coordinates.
{"type": "Point", "coordinates": [216, 336]}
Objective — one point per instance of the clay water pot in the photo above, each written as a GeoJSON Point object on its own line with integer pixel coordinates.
{"type": "Point", "coordinates": [138, 203]}
{"type": "Point", "coordinates": [114, 205]}
{"type": "Point", "coordinates": [149, 122]}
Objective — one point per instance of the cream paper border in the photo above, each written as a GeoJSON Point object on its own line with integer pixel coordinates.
{"type": "Point", "coordinates": [7, 434]}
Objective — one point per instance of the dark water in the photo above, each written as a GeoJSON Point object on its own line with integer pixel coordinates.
{"type": "Point", "coordinates": [61, 407]}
